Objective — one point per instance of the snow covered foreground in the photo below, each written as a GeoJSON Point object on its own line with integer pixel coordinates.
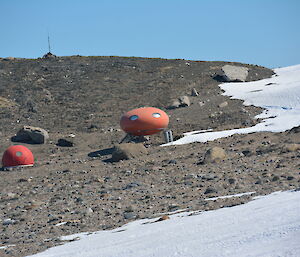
{"type": "Point", "coordinates": [278, 95]}
{"type": "Point", "coordinates": [268, 226]}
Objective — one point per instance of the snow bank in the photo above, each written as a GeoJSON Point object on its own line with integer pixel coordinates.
{"type": "Point", "coordinates": [268, 226]}
{"type": "Point", "coordinates": [279, 95]}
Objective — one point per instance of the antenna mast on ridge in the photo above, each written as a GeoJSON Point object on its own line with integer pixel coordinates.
{"type": "Point", "coordinates": [49, 43]}
{"type": "Point", "coordinates": [49, 54]}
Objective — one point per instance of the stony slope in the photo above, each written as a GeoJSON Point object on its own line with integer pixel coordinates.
{"type": "Point", "coordinates": [76, 189]}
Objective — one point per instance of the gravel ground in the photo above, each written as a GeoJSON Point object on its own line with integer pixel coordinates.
{"type": "Point", "coordinates": [78, 189]}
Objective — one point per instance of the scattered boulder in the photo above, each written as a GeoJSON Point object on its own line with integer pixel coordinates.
{"type": "Point", "coordinates": [208, 177]}
{"type": "Point", "coordinates": [129, 215]}
{"type": "Point", "coordinates": [132, 185]}
{"type": "Point", "coordinates": [246, 152]}
{"type": "Point", "coordinates": [214, 154]}
{"type": "Point", "coordinates": [128, 151]}
{"type": "Point", "coordinates": [172, 161]}
{"type": "Point", "coordinates": [291, 148]}
{"type": "Point", "coordinates": [194, 92]}
{"type": "Point", "coordinates": [29, 134]}
{"type": "Point", "coordinates": [210, 190]}
{"type": "Point", "coordinates": [231, 181]}
{"type": "Point", "coordinates": [234, 73]}
{"type": "Point", "coordinates": [182, 101]}
{"type": "Point", "coordinates": [66, 142]}
{"type": "Point", "coordinates": [224, 104]}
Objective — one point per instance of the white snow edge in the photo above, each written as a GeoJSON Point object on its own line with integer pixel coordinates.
{"type": "Point", "coordinates": [268, 226]}
{"type": "Point", "coordinates": [278, 95]}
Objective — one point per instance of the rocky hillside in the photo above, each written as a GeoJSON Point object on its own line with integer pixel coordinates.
{"type": "Point", "coordinates": [78, 93]}
{"type": "Point", "coordinates": [80, 188]}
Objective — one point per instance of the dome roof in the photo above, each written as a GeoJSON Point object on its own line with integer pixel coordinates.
{"type": "Point", "coordinates": [17, 155]}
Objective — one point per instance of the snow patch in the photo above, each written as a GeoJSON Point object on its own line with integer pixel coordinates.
{"type": "Point", "coordinates": [268, 226]}
{"type": "Point", "coordinates": [279, 95]}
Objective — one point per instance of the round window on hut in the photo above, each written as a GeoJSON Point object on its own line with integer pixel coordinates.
{"type": "Point", "coordinates": [156, 115]}
{"type": "Point", "coordinates": [18, 154]}
{"type": "Point", "coordinates": [133, 117]}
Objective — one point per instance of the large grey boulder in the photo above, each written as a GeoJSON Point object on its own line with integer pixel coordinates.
{"type": "Point", "coordinates": [29, 134]}
{"type": "Point", "coordinates": [234, 73]}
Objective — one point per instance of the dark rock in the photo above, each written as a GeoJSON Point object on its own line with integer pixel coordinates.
{"type": "Point", "coordinates": [172, 162]}
{"type": "Point", "coordinates": [78, 200]}
{"type": "Point", "coordinates": [129, 215]}
{"type": "Point", "coordinates": [131, 185]}
{"type": "Point", "coordinates": [176, 137]}
{"type": "Point", "coordinates": [295, 130]}
{"type": "Point", "coordinates": [231, 181]}
{"type": "Point", "coordinates": [173, 207]}
{"type": "Point", "coordinates": [210, 190]}
{"type": "Point", "coordinates": [66, 142]}
{"type": "Point", "coordinates": [246, 152]}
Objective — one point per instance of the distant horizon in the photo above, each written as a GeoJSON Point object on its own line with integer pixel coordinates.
{"type": "Point", "coordinates": [79, 55]}
{"type": "Point", "coordinates": [254, 32]}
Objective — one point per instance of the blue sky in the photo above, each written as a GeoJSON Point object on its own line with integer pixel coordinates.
{"type": "Point", "coordinates": [263, 32]}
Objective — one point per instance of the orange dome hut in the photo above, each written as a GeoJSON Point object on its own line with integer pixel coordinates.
{"type": "Point", "coordinates": [144, 121]}
{"type": "Point", "coordinates": [17, 155]}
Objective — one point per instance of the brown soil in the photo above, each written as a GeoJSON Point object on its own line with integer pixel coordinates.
{"type": "Point", "coordinates": [77, 189]}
